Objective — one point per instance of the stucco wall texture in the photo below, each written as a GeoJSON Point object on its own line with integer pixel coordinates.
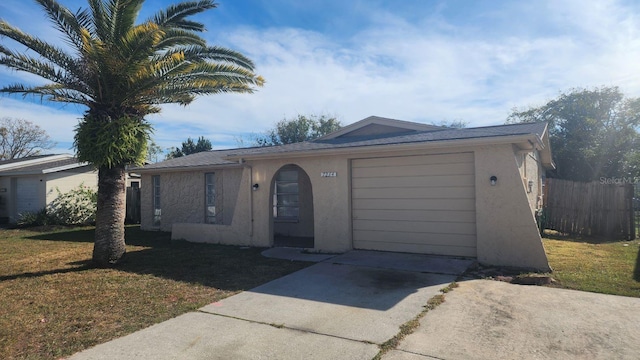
{"type": "Point", "coordinates": [506, 229]}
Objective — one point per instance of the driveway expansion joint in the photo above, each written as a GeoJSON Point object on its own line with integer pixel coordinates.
{"type": "Point", "coordinates": [411, 325]}
{"type": "Point", "coordinates": [283, 326]}
{"type": "Point", "coordinates": [426, 357]}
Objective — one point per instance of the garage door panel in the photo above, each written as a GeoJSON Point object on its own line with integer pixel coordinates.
{"type": "Point", "coordinates": [393, 171]}
{"type": "Point", "coordinates": [422, 204]}
{"type": "Point", "coordinates": [416, 215]}
{"type": "Point", "coordinates": [428, 228]}
{"type": "Point", "coordinates": [415, 181]}
{"type": "Point", "coordinates": [415, 193]}
{"type": "Point", "coordinates": [417, 160]}
{"type": "Point", "coordinates": [417, 238]}
{"type": "Point", "coordinates": [420, 248]}
{"type": "Point", "coordinates": [414, 204]}
{"type": "Point", "coordinates": [27, 195]}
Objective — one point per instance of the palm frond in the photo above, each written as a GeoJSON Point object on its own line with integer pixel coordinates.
{"type": "Point", "coordinates": [66, 22]}
{"type": "Point", "coordinates": [47, 51]}
{"type": "Point", "coordinates": [175, 15]}
{"type": "Point", "coordinates": [228, 73]}
{"type": "Point", "coordinates": [127, 66]}
{"type": "Point", "coordinates": [122, 15]}
{"type": "Point", "coordinates": [52, 92]}
{"type": "Point", "coordinates": [216, 53]}
{"type": "Point", "coordinates": [195, 53]}
{"type": "Point", "coordinates": [177, 37]}
{"type": "Point", "coordinates": [139, 42]}
{"type": "Point", "coordinates": [31, 65]}
{"type": "Point", "coordinates": [184, 94]}
{"type": "Point", "coordinates": [101, 24]}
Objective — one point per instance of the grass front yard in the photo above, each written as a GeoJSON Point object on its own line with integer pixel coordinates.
{"type": "Point", "coordinates": [609, 267]}
{"type": "Point", "coordinates": [53, 303]}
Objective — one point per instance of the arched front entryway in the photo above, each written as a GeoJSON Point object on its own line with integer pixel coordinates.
{"type": "Point", "coordinates": [292, 208]}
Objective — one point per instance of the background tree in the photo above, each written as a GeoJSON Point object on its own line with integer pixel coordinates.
{"type": "Point", "coordinates": [154, 151]}
{"type": "Point", "coordinates": [21, 138]}
{"type": "Point", "coordinates": [298, 129]}
{"type": "Point", "coordinates": [121, 70]}
{"type": "Point", "coordinates": [593, 133]}
{"type": "Point", "coordinates": [190, 147]}
{"type": "Point", "coordinates": [453, 124]}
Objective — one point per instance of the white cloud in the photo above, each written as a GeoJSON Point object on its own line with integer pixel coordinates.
{"type": "Point", "coordinates": [430, 70]}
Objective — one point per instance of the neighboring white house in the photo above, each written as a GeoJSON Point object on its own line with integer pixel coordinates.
{"type": "Point", "coordinates": [378, 184]}
{"type": "Point", "coordinates": [29, 184]}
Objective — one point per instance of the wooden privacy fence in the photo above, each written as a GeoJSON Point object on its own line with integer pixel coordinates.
{"type": "Point", "coordinates": [594, 208]}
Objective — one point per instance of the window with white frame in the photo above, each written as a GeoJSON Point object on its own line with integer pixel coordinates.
{"type": "Point", "coordinates": [157, 212]}
{"type": "Point", "coordinates": [286, 195]}
{"type": "Point", "coordinates": [210, 198]}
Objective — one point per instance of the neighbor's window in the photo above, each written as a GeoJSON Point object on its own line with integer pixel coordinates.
{"type": "Point", "coordinates": [210, 198]}
{"type": "Point", "coordinates": [286, 195]}
{"type": "Point", "coordinates": [156, 200]}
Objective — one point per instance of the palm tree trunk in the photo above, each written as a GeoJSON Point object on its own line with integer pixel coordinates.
{"type": "Point", "coordinates": [109, 246]}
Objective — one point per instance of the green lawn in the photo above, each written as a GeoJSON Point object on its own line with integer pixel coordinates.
{"type": "Point", "coordinates": [54, 303]}
{"type": "Point", "coordinates": [609, 267]}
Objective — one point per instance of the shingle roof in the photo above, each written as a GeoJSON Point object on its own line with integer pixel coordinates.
{"type": "Point", "coordinates": [42, 168]}
{"type": "Point", "coordinates": [221, 157]}
{"type": "Point", "coordinates": [13, 161]}
{"type": "Point", "coordinates": [443, 134]}
{"type": "Point", "coordinates": [205, 158]}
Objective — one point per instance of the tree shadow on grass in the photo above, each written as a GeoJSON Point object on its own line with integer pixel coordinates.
{"type": "Point", "coordinates": [220, 266]}
{"type": "Point", "coordinates": [554, 235]}
{"type": "Point", "coordinates": [82, 267]}
{"type": "Point", "coordinates": [224, 267]}
{"type": "Point", "coordinates": [133, 236]}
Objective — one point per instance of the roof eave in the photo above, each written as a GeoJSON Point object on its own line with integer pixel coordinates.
{"type": "Point", "coordinates": [187, 168]}
{"type": "Point", "coordinates": [42, 160]}
{"type": "Point", "coordinates": [65, 167]}
{"type": "Point", "coordinates": [545, 149]}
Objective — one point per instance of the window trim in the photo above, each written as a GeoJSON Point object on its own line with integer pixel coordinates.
{"type": "Point", "coordinates": [156, 200]}
{"type": "Point", "coordinates": [276, 206]}
{"type": "Point", "coordinates": [207, 217]}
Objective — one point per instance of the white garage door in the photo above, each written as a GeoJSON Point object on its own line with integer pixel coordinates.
{"type": "Point", "coordinates": [418, 204]}
{"type": "Point", "coordinates": [27, 195]}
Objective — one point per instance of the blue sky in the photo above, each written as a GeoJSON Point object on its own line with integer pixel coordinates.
{"type": "Point", "coordinates": [417, 60]}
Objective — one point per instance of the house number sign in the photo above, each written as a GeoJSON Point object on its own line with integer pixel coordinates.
{"type": "Point", "coordinates": [328, 174]}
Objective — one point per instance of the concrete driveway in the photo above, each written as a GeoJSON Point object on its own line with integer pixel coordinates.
{"type": "Point", "coordinates": [341, 308]}
{"type": "Point", "coordinates": [484, 319]}
{"type": "Point", "coordinates": [345, 306]}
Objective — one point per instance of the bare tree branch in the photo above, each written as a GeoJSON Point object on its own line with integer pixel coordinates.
{"type": "Point", "coordinates": [21, 138]}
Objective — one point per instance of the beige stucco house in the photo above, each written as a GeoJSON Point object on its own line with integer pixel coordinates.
{"type": "Point", "coordinates": [378, 184]}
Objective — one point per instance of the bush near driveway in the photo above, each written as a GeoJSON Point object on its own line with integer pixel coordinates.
{"type": "Point", "coordinates": [53, 303]}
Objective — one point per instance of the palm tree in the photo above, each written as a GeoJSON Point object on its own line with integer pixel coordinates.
{"type": "Point", "coordinates": [122, 71]}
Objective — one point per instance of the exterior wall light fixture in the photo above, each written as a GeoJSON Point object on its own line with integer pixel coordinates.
{"type": "Point", "coordinates": [255, 187]}
{"type": "Point", "coordinates": [530, 183]}
{"type": "Point", "coordinates": [493, 179]}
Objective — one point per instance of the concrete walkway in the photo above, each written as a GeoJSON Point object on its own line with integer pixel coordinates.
{"type": "Point", "coordinates": [342, 308]}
